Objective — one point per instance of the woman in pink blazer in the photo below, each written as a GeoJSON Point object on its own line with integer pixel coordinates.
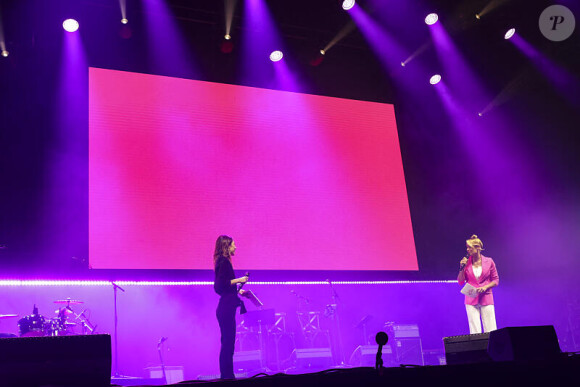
{"type": "Point", "coordinates": [480, 272]}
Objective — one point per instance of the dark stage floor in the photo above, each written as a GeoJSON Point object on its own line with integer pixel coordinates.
{"type": "Point", "coordinates": [546, 373]}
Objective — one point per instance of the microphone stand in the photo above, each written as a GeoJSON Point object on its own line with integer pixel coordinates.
{"type": "Point", "coordinates": [159, 348]}
{"type": "Point", "coordinates": [337, 320]}
{"type": "Point", "coordinates": [116, 364]}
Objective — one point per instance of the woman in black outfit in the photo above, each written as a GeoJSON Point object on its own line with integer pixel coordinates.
{"type": "Point", "coordinates": [225, 285]}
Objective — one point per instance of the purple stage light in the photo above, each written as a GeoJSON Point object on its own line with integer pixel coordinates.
{"type": "Point", "coordinates": [70, 25]}
{"type": "Point", "coordinates": [431, 19]}
{"type": "Point", "coordinates": [435, 79]}
{"type": "Point", "coordinates": [277, 55]}
{"type": "Point", "coordinates": [510, 33]}
{"type": "Point", "coordinates": [348, 4]}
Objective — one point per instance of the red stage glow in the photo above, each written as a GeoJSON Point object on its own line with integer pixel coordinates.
{"type": "Point", "coordinates": [301, 182]}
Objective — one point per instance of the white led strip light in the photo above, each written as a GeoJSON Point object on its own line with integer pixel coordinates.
{"type": "Point", "coordinates": [201, 283]}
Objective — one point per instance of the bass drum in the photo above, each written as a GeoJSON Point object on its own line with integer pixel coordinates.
{"type": "Point", "coordinates": [32, 325]}
{"type": "Point", "coordinates": [58, 327]}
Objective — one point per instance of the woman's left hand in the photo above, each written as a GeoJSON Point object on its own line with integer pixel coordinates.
{"type": "Point", "coordinates": [482, 289]}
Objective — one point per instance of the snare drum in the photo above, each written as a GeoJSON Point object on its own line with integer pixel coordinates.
{"type": "Point", "coordinates": [32, 325]}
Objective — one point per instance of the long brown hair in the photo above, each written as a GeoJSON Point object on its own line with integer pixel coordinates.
{"type": "Point", "coordinates": [222, 248]}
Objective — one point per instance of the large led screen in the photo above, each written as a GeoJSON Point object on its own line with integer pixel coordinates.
{"type": "Point", "coordinates": [301, 182]}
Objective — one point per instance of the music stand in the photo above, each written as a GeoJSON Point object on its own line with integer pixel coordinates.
{"type": "Point", "coordinates": [260, 318]}
{"type": "Point", "coordinates": [252, 297]}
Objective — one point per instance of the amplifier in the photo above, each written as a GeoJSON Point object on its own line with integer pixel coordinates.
{"type": "Point", "coordinates": [466, 349]}
{"type": "Point", "coordinates": [406, 331]}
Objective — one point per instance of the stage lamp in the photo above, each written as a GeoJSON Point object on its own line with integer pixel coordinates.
{"type": "Point", "coordinates": [348, 4]}
{"type": "Point", "coordinates": [477, 16]}
{"type": "Point", "coordinates": [70, 25]}
{"type": "Point", "coordinates": [510, 33]}
{"type": "Point", "coordinates": [322, 52]}
{"type": "Point", "coordinates": [5, 53]}
{"type": "Point", "coordinates": [275, 56]}
{"type": "Point", "coordinates": [431, 19]}
{"type": "Point", "coordinates": [227, 37]}
{"type": "Point", "coordinates": [124, 20]}
{"type": "Point", "coordinates": [435, 79]}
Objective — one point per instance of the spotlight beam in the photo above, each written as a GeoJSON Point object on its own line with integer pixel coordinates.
{"type": "Point", "coordinates": [2, 41]}
{"type": "Point", "coordinates": [417, 52]}
{"type": "Point", "coordinates": [508, 92]}
{"type": "Point", "coordinates": [123, 7]}
{"type": "Point", "coordinates": [492, 5]}
{"type": "Point", "coordinates": [347, 29]}
{"type": "Point", "coordinates": [229, 8]}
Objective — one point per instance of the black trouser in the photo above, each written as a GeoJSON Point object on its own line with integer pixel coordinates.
{"type": "Point", "coordinates": [226, 316]}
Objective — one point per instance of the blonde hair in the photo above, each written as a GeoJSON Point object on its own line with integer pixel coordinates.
{"type": "Point", "coordinates": [474, 241]}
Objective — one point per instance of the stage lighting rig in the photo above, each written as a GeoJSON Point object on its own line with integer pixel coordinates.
{"type": "Point", "coordinates": [70, 25]}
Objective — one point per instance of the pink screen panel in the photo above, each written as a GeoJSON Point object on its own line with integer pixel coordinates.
{"type": "Point", "coordinates": [301, 182]}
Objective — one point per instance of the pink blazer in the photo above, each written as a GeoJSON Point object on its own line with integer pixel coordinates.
{"type": "Point", "coordinates": [488, 275]}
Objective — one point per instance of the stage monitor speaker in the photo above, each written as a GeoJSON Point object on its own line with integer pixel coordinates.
{"type": "Point", "coordinates": [408, 351]}
{"type": "Point", "coordinates": [316, 358]}
{"type": "Point", "coordinates": [524, 344]}
{"type": "Point", "coordinates": [366, 356]}
{"type": "Point", "coordinates": [248, 361]}
{"type": "Point", "coordinates": [466, 349]}
{"type": "Point", "coordinates": [56, 361]}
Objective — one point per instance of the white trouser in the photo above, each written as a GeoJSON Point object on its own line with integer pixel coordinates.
{"type": "Point", "coordinates": [477, 314]}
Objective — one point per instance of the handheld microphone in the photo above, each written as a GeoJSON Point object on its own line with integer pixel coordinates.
{"type": "Point", "coordinates": [242, 284]}
{"type": "Point", "coordinates": [461, 266]}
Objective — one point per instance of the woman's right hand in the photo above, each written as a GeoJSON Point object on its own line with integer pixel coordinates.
{"type": "Point", "coordinates": [463, 262]}
{"type": "Point", "coordinates": [243, 280]}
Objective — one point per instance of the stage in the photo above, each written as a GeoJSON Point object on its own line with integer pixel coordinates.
{"type": "Point", "coordinates": [350, 168]}
{"type": "Point", "coordinates": [483, 374]}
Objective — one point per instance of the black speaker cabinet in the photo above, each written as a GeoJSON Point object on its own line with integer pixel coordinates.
{"type": "Point", "coordinates": [316, 358]}
{"type": "Point", "coordinates": [56, 361]}
{"type": "Point", "coordinates": [524, 344]}
{"type": "Point", "coordinates": [466, 349]}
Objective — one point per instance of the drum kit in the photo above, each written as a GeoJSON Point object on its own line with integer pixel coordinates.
{"type": "Point", "coordinates": [66, 321]}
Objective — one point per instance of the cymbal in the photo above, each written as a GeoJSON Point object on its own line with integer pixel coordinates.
{"type": "Point", "coordinates": [8, 315]}
{"type": "Point", "coordinates": [68, 301]}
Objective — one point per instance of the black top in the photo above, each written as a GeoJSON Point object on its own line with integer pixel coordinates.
{"type": "Point", "coordinates": [224, 273]}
